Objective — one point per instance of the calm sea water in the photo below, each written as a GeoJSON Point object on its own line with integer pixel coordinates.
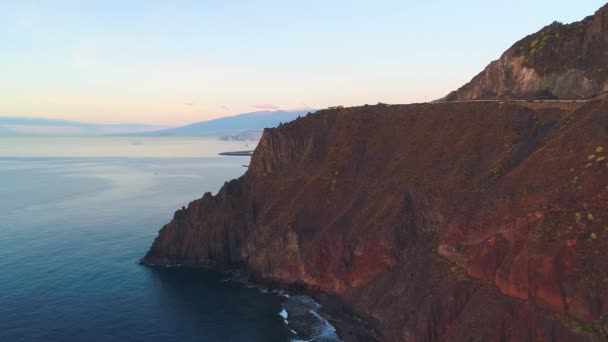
{"type": "Point", "coordinates": [75, 216]}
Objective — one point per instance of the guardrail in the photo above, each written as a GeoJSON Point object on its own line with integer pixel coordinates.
{"type": "Point", "coordinates": [528, 101]}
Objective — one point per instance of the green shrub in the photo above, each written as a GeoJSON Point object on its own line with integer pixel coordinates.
{"type": "Point", "coordinates": [534, 43]}
{"type": "Point", "coordinates": [588, 328]}
{"type": "Point", "coordinates": [599, 149]}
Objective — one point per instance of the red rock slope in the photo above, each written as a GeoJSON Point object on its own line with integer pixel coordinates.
{"type": "Point", "coordinates": [438, 222]}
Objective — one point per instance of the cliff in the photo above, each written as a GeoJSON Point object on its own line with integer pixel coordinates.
{"type": "Point", "coordinates": [452, 221]}
{"type": "Point", "coordinates": [558, 62]}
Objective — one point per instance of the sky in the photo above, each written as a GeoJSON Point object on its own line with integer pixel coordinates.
{"type": "Point", "coordinates": [177, 62]}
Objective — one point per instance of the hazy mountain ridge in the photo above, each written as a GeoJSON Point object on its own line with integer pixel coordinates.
{"type": "Point", "coordinates": [237, 127]}
{"type": "Point", "coordinates": [31, 126]}
{"type": "Point", "coordinates": [247, 126]}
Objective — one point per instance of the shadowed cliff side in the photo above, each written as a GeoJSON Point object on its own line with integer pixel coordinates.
{"type": "Point", "coordinates": [453, 221]}
{"type": "Point", "coordinates": [558, 62]}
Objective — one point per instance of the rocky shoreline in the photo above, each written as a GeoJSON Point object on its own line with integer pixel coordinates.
{"type": "Point", "coordinates": [311, 315]}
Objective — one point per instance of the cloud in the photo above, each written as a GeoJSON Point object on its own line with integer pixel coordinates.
{"type": "Point", "coordinates": [224, 107]}
{"type": "Point", "coordinates": [265, 106]}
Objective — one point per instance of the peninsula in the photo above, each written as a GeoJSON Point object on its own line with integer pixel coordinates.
{"type": "Point", "coordinates": [463, 220]}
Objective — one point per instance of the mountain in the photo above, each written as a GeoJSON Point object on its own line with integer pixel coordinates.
{"type": "Point", "coordinates": [447, 221]}
{"type": "Point", "coordinates": [558, 62]}
{"type": "Point", "coordinates": [26, 126]}
{"type": "Point", "coordinates": [234, 126]}
{"type": "Point", "coordinates": [248, 126]}
{"type": "Point", "coordinates": [476, 221]}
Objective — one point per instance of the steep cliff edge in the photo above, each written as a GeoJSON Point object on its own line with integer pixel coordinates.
{"type": "Point", "coordinates": [558, 62]}
{"type": "Point", "coordinates": [450, 221]}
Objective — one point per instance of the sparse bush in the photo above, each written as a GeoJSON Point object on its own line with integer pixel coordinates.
{"type": "Point", "coordinates": [534, 43]}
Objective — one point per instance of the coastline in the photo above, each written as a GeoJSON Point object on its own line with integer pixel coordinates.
{"type": "Point", "coordinates": [347, 325]}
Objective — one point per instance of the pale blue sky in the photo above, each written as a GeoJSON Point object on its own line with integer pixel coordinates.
{"type": "Point", "coordinates": [174, 62]}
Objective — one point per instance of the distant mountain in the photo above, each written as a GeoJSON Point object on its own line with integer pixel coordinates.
{"type": "Point", "coordinates": [558, 62]}
{"type": "Point", "coordinates": [27, 126]}
{"type": "Point", "coordinates": [236, 127]}
{"type": "Point", "coordinates": [248, 126]}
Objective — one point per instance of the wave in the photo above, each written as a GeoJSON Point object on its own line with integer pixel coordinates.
{"type": "Point", "coordinates": [306, 320]}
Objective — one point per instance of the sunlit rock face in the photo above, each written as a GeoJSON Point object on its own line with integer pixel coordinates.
{"type": "Point", "coordinates": [558, 62]}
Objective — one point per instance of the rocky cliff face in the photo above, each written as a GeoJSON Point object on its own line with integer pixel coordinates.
{"type": "Point", "coordinates": [451, 221]}
{"type": "Point", "coordinates": [558, 62]}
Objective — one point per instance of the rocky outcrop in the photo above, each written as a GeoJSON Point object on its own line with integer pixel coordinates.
{"type": "Point", "coordinates": [451, 221]}
{"type": "Point", "coordinates": [558, 62]}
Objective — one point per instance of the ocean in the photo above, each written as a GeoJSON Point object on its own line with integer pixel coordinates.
{"type": "Point", "coordinates": [76, 214]}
